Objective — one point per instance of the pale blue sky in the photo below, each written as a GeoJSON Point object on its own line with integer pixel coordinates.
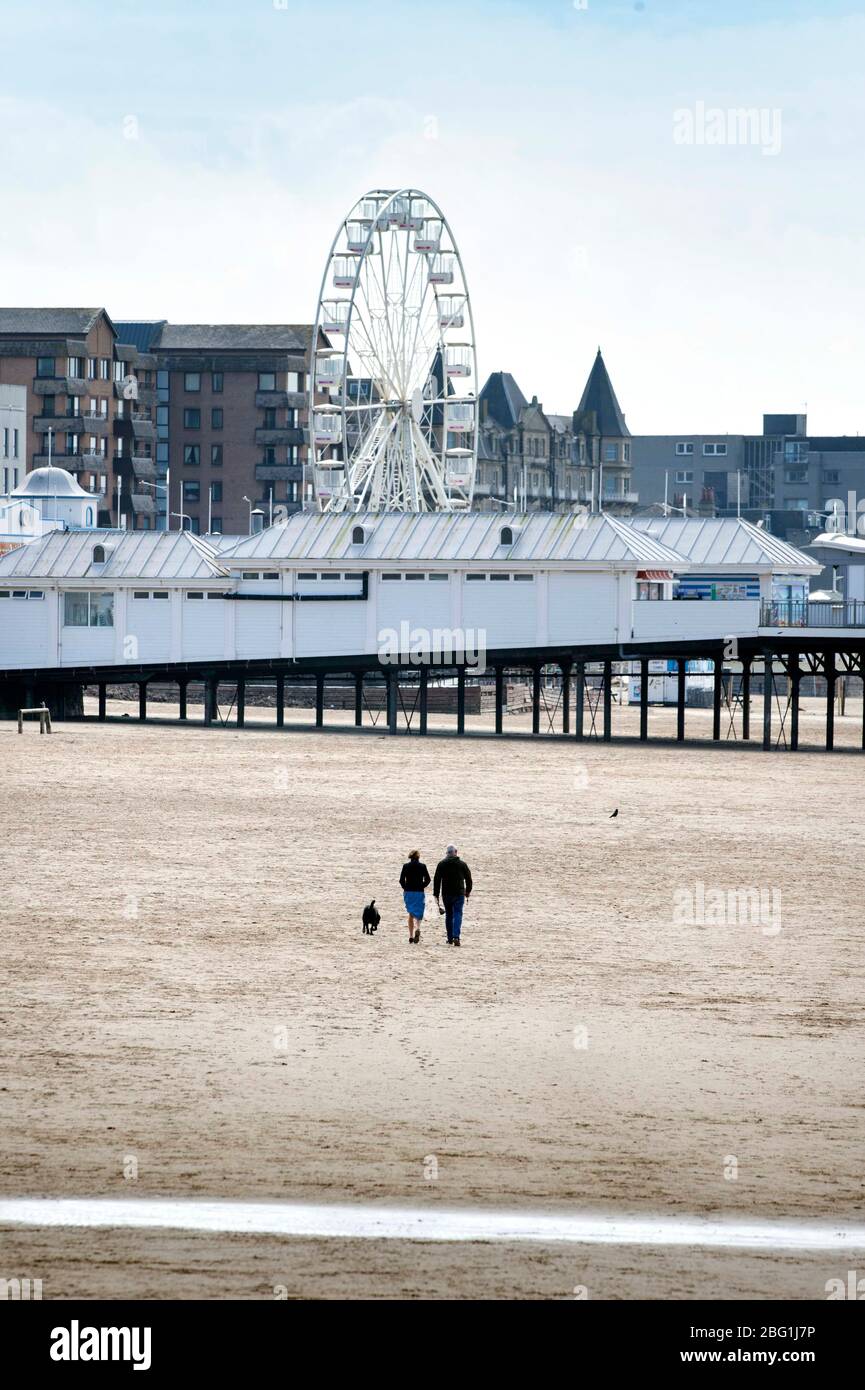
{"type": "Point", "coordinates": [721, 281]}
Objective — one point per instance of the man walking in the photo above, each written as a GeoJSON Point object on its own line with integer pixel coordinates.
{"type": "Point", "coordinates": [453, 882]}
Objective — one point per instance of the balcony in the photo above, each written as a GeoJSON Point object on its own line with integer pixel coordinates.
{"type": "Point", "coordinates": [281, 400]}
{"type": "Point", "coordinates": [142, 466]}
{"type": "Point", "coordinates": [60, 424]}
{"type": "Point", "coordinates": [279, 472]}
{"type": "Point", "coordinates": [59, 386]}
{"type": "Point", "coordinates": [94, 463]}
{"type": "Point", "coordinates": [143, 504]}
{"type": "Point", "coordinates": [281, 434]}
{"type": "Point", "coordinates": [71, 462]}
{"type": "Point", "coordinates": [95, 424]}
{"type": "Point", "coordinates": [843, 613]}
{"type": "Point", "coordinates": [142, 426]}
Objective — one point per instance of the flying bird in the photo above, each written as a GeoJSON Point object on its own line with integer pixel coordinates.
{"type": "Point", "coordinates": [615, 813]}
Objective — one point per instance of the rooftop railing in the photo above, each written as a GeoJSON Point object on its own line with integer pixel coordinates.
{"type": "Point", "coordinates": [788, 613]}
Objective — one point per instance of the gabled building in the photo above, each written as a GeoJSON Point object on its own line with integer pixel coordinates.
{"type": "Point", "coordinates": [552, 462]}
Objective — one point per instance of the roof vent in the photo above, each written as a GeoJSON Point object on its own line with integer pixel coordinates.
{"type": "Point", "coordinates": [99, 555]}
{"type": "Point", "coordinates": [509, 535]}
{"type": "Point", "coordinates": [360, 534]}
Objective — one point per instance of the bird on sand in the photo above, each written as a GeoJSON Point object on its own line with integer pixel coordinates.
{"type": "Point", "coordinates": [615, 813]}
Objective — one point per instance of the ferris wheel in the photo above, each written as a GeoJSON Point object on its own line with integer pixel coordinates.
{"type": "Point", "coordinates": [394, 396]}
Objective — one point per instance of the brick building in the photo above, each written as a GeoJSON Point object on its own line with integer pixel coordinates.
{"type": "Point", "coordinates": [230, 417]}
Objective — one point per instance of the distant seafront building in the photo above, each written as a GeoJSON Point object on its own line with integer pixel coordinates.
{"type": "Point", "coordinates": [553, 462]}
{"type": "Point", "coordinates": [230, 418]}
{"type": "Point", "coordinates": [13, 428]}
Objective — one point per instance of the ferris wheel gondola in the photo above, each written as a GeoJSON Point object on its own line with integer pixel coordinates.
{"type": "Point", "coordinates": [394, 368]}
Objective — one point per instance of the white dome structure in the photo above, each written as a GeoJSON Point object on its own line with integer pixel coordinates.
{"type": "Point", "coordinates": [47, 499]}
{"type": "Point", "coordinates": [49, 482]}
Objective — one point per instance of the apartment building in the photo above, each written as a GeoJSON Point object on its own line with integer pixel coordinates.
{"type": "Point", "coordinates": [553, 462]}
{"type": "Point", "coordinates": [231, 409]}
{"type": "Point", "coordinates": [87, 404]}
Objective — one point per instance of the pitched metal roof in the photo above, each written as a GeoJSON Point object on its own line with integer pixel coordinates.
{"type": "Point", "coordinates": [38, 322]}
{"type": "Point", "coordinates": [395, 538]}
{"type": "Point", "coordinates": [128, 555]}
{"type": "Point", "coordinates": [140, 333]}
{"type": "Point", "coordinates": [713, 542]}
{"type": "Point", "coordinates": [282, 337]}
{"type": "Point", "coordinates": [600, 397]}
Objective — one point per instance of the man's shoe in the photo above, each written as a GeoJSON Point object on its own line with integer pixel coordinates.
{"type": "Point", "coordinates": [456, 941]}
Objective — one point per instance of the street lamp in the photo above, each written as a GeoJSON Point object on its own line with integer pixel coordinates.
{"type": "Point", "coordinates": [159, 487]}
{"type": "Point", "coordinates": [246, 499]}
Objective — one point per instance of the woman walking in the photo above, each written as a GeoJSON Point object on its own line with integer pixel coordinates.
{"type": "Point", "coordinates": [413, 880]}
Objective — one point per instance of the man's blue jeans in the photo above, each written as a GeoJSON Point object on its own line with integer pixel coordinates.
{"type": "Point", "coordinates": [454, 916]}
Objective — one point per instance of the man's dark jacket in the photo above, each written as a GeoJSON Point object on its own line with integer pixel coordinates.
{"type": "Point", "coordinates": [452, 877]}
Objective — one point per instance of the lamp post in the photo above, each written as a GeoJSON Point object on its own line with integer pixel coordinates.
{"type": "Point", "coordinates": [158, 487]}
{"type": "Point", "coordinates": [246, 499]}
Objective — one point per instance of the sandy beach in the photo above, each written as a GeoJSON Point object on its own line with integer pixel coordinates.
{"type": "Point", "coordinates": [190, 1008]}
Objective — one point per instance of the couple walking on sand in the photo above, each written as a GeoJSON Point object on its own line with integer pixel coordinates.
{"type": "Point", "coordinates": [452, 885]}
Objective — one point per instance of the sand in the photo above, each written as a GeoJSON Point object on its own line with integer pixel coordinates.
{"type": "Point", "coordinates": [190, 1008]}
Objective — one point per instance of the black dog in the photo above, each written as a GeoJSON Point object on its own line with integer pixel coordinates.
{"type": "Point", "coordinates": [371, 919]}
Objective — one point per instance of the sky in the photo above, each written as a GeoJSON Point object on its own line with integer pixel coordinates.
{"type": "Point", "coordinates": [192, 161]}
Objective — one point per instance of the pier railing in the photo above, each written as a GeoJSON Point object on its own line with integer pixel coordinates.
{"type": "Point", "coordinates": [786, 613]}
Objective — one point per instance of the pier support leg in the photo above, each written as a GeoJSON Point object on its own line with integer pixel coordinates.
{"type": "Point", "coordinates": [680, 700]}
{"type": "Point", "coordinates": [319, 699]}
{"type": "Point", "coordinates": [644, 700]}
{"type": "Point", "coordinates": [181, 697]}
{"type": "Point", "coordinates": [358, 699]}
{"type": "Point", "coordinates": [536, 699]}
{"type": "Point", "coordinates": [768, 684]}
{"type": "Point", "coordinates": [608, 701]}
{"type": "Point", "coordinates": [392, 691]}
{"type": "Point", "coordinates": [423, 700]}
{"type": "Point", "coordinates": [795, 677]}
{"type": "Point", "coordinates": [142, 700]}
{"type": "Point", "coordinates": [241, 703]}
{"type": "Point", "coordinates": [566, 697]}
{"type": "Point", "coordinates": [211, 690]}
{"type": "Point", "coordinates": [280, 701]}
{"type": "Point", "coordinates": [746, 698]}
{"type": "Point", "coordinates": [102, 701]}
{"type": "Point", "coordinates": [500, 699]}
{"type": "Point", "coordinates": [580, 702]}
{"type": "Point", "coordinates": [461, 700]}
{"type": "Point", "coordinates": [831, 677]}
{"type": "Point", "coordinates": [717, 696]}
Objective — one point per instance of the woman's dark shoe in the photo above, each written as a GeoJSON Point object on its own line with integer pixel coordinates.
{"type": "Point", "coordinates": [456, 941]}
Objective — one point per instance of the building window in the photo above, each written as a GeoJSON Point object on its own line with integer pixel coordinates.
{"type": "Point", "coordinates": [191, 491]}
{"type": "Point", "coordinates": [611, 453]}
{"type": "Point", "coordinates": [270, 418]}
{"type": "Point", "coordinates": [216, 492]}
{"type": "Point", "coordinates": [88, 609]}
{"type": "Point", "coordinates": [162, 380]}
{"type": "Point", "coordinates": [269, 455]}
{"type": "Point", "coordinates": [684, 448]}
{"type": "Point", "coordinates": [104, 369]}
{"type": "Point", "coordinates": [267, 381]}
{"type": "Point", "coordinates": [192, 381]}
{"type": "Point", "coordinates": [684, 476]}
{"type": "Point", "coordinates": [44, 366]}
{"type": "Point", "coordinates": [191, 455]}
{"type": "Point", "coordinates": [74, 366]}
{"type": "Point", "coordinates": [216, 455]}
{"type": "Point", "coordinates": [216, 383]}
{"type": "Point", "coordinates": [192, 419]}
{"type": "Point", "coordinates": [162, 415]}
{"type": "Point", "coordinates": [92, 366]}
{"type": "Point", "coordinates": [216, 418]}
{"type": "Point", "coordinates": [714, 450]}
{"type": "Point", "coordinates": [216, 530]}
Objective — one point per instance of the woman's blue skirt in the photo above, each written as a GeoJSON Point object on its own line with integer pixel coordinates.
{"type": "Point", "coordinates": [414, 904]}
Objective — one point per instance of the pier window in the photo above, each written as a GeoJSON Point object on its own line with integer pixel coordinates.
{"type": "Point", "coordinates": [195, 593]}
{"type": "Point", "coordinates": [84, 608]}
{"type": "Point", "coordinates": [526, 578]}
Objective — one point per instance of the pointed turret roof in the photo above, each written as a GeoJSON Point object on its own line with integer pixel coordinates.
{"type": "Point", "coordinates": [504, 399]}
{"type": "Point", "coordinates": [600, 397]}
